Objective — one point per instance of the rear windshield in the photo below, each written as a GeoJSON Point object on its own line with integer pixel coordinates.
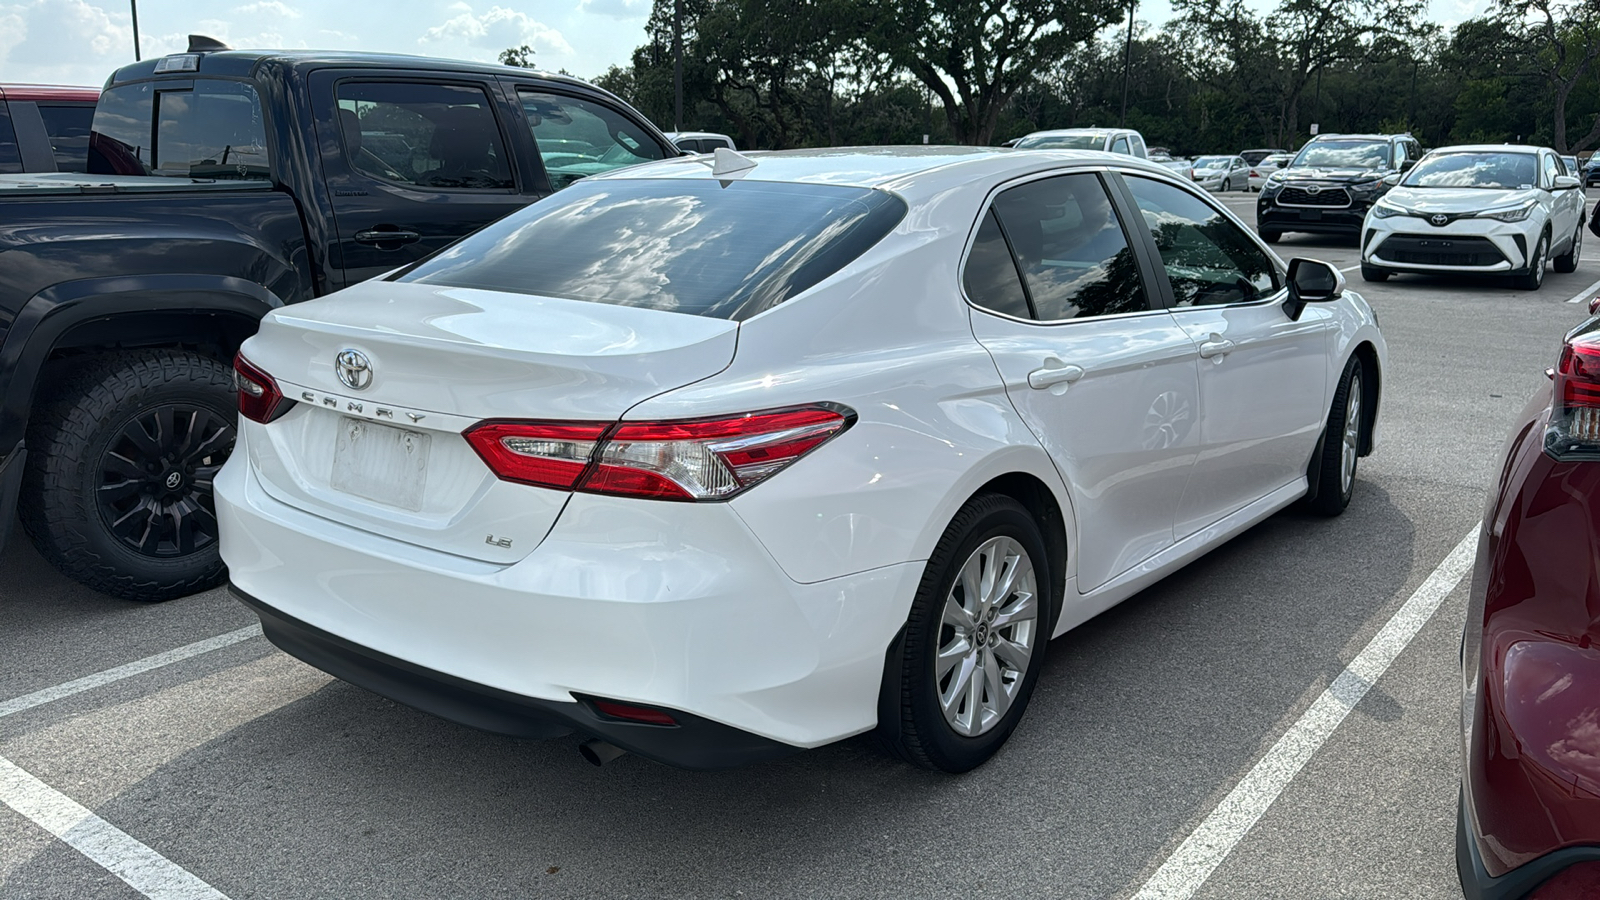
{"type": "Point", "coordinates": [686, 245]}
{"type": "Point", "coordinates": [205, 128]}
{"type": "Point", "coordinates": [1063, 142]}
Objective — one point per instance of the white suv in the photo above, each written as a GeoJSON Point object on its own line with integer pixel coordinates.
{"type": "Point", "coordinates": [1490, 209]}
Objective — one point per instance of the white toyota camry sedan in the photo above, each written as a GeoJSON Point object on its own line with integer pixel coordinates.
{"type": "Point", "coordinates": [719, 458]}
{"type": "Point", "coordinates": [1495, 209]}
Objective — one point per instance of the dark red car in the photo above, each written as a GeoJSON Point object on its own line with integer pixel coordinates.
{"type": "Point", "coordinates": [1530, 810]}
{"type": "Point", "coordinates": [45, 127]}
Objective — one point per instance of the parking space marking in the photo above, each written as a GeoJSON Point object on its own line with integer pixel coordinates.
{"type": "Point", "coordinates": [1351, 268]}
{"type": "Point", "coordinates": [1183, 873]}
{"type": "Point", "coordinates": [90, 682]}
{"type": "Point", "coordinates": [1586, 293]}
{"type": "Point", "coordinates": [118, 852]}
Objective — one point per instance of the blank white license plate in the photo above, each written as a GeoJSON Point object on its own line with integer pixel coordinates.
{"type": "Point", "coordinates": [381, 463]}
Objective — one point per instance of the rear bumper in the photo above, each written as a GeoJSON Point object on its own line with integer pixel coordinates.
{"type": "Point", "coordinates": [694, 743]}
{"type": "Point", "coordinates": [10, 486]}
{"type": "Point", "coordinates": [668, 605]}
{"type": "Point", "coordinates": [1478, 884]}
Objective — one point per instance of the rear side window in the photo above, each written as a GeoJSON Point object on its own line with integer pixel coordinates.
{"type": "Point", "coordinates": [684, 245]}
{"type": "Point", "coordinates": [203, 129]}
{"type": "Point", "coordinates": [990, 276]}
{"type": "Point", "coordinates": [68, 127]}
{"type": "Point", "coordinates": [10, 156]}
{"type": "Point", "coordinates": [578, 138]}
{"type": "Point", "coordinates": [436, 136]}
{"type": "Point", "coordinates": [1121, 146]}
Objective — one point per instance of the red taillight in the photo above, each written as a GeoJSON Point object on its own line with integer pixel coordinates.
{"type": "Point", "coordinates": [697, 459]}
{"type": "Point", "coordinates": [547, 454]}
{"type": "Point", "coordinates": [1574, 431]}
{"type": "Point", "coordinates": [260, 400]}
{"type": "Point", "coordinates": [633, 713]}
{"type": "Point", "coordinates": [1253, 174]}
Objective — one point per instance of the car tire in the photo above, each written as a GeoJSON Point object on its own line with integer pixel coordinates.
{"type": "Point", "coordinates": [1270, 236]}
{"type": "Point", "coordinates": [1227, 185]}
{"type": "Point", "coordinates": [926, 717]}
{"type": "Point", "coordinates": [1373, 273]}
{"type": "Point", "coordinates": [1533, 278]}
{"type": "Point", "coordinates": [1341, 444]}
{"type": "Point", "coordinates": [1568, 262]}
{"type": "Point", "coordinates": [117, 490]}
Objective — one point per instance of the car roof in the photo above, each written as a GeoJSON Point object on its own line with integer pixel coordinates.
{"type": "Point", "coordinates": [1489, 148]}
{"type": "Point", "coordinates": [243, 63]}
{"type": "Point", "coordinates": [912, 169]}
{"type": "Point", "coordinates": [1358, 137]}
{"type": "Point", "coordinates": [1055, 132]}
{"type": "Point", "coordinates": [38, 92]}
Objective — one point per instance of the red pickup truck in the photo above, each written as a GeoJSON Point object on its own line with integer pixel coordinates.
{"type": "Point", "coordinates": [45, 127]}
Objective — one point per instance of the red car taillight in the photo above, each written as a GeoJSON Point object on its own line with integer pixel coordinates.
{"type": "Point", "coordinates": [260, 400]}
{"type": "Point", "coordinates": [697, 459]}
{"type": "Point", "coordinates": [1574, 430]}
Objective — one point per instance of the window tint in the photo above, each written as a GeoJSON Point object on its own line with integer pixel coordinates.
{"type": "Point", "coordinates": [1120, 146]}
{"type": "Point", "coordinates": [428, 135]}
{"type": "Point", "coordinates": [1208, 258]}
{"type": "Point", "coordinates": [578, 138]}
{"type": "Point", "coordinates": [68, 127]}
{"type": "Point", "coordinates": [990, 276]}
{"type": "Point", "coordinates": [1074, 257]}
{"type": "Point", "coordinates": [10, 156]}
{"type": "Point", "coordinates": [691, 145]}
{"type": "Point", "coordinates": [1551, 169]}
{"type": "Point", "coordinates": [683, 245]}
{"type": "Point", "coordinates": [213, 129]}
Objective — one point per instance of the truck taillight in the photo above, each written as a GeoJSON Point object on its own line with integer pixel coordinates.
{"type": "Point", "coordinates": [260, 400]}
{"type": "Point", "coordinates": [696, 459]}
{"type": "Point", "coordinates": [1574, 429]}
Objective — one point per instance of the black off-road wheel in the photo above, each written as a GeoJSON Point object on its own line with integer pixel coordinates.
{"type": "Point", "coordinates": [1270, 236]}
{"type": "Point", "coordinates": [1341, 444]}
{"type": "Point", "coordinates": [959, 679]}
{"type": "Point", "coordinates": [117, 494]}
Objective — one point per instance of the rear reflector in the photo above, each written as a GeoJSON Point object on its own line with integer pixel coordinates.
{"type": "Point", "coordinates": [1574, 430]}
{"type": "Point", "coordinates": [687, 460]}
{"type": "Point", "coordinates": [260, 400]}
{"type": "Point", "coordinates": [633, 713]}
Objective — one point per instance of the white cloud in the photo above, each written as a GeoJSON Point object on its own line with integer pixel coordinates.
{"type": "Point", "coordinates": [33, 35]}
{"type": "Point", "coordinates": [617, 9]}
{"type": "Point", "coordinates": [496, 30]}
{"type": "Point", "coordinates": [271, 8]}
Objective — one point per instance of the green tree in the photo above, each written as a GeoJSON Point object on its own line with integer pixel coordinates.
{"type": "Point", "coordinates": [521, 57]}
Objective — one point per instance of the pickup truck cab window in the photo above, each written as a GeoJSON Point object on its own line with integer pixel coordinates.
{"type": "Point", "coordinates": [578, 138]}
{"type": "Point", "coordinates": [10, 157]}
{"type": "Point", "coordinates": [205, 128]}
{"type": "Point", "coordinates": [429, 135]}
{"type": "Point", "coordinates": [68, 127]}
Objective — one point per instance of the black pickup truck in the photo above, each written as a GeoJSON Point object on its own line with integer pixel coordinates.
{"type": "Point", "coordinates": [222, 185]}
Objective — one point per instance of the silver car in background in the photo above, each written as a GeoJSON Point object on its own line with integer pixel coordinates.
{"type": "Point", "coordinates": [1221, 173]}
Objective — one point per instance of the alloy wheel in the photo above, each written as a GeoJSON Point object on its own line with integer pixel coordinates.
{"type": "Point", "coordinates": [987, 636]}
{"type": "Point", "coordinates": [154, 489]}
{"type": "Point", "coordinates": [1351, 439]}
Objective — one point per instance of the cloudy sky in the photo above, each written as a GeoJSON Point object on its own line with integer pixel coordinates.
{"type": "Point", "coordinates": [81, 41]}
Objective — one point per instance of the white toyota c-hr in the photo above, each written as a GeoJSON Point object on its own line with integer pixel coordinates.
{"type": "Point", "coordinates": [1495, 209]}
{"type": "Point", "coordinates": [719, 458]}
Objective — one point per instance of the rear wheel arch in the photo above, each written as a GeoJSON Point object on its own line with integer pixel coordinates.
{"type": "Point", "coordinates": [1041, 503]}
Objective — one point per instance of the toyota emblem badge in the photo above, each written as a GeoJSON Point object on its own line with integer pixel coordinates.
{"type": "Point", "coordinates": [1439, 219]}
{"type": "Point", "coordinates": [354, 369]}
{"type": "Point", "coordinates": [1314, 189]}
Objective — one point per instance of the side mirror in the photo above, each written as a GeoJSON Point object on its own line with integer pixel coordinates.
{"type": "Point", "coordinates": [1392, 179]}
{"type": "Point", "coordinates": [1311, 281]}
{"type": "Point", "coordinates": [1406, 164]}
{"type": "Point", "coordinates": [1565, 182]}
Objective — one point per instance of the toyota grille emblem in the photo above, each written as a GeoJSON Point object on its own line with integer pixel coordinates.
{"type": "Point", "coordinates": [1313, 189]}
{"type": "Point", "coordinates": [354, 369]}
{"type": "Point", "coordinates": [1439, 219]}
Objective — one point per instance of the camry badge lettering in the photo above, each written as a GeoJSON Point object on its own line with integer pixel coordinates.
{"type": "Point", "coordinates": [353, 368]}
{"type": "Point", "coordinates": [329, 401]}
{"type": "Point", "coordinates": [502, 543]}
{"type": "Point", "coordinates": [1439, 219]}
{"type": "Point", "coordinates": [353, 406]}
{"type": "Point", "coordinates": [384, 413]}
{"type": "Point", "coordinates": [416, 417]}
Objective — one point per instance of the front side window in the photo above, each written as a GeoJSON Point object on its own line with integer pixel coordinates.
{"type": "Point", "coordinates": [432, 136]}
{"type": "Point", "coordinates": [1552, 169]}
{"type": "Point", "coordinates": [1209, 260]}
{"type": "Point", "coordinates": [1344, 155]}
{"type": "Point", "coordinates": [207, 128]}
{"type": "Point", "coordinates": [68, 127]}
{"type": "Point", "coordinates": [1071, 249]}
{"type": "Point", "coordinates": [686, 245]}
{"type": "Point", "coordinates": [578, 138]}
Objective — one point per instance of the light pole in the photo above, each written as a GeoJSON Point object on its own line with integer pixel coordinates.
{"type": "Point", "coordinates": [135, 5]}
{"type": "Point", "coordinates": [1127, 63]}
{"type": "Point", "coordinates": [677, 65]}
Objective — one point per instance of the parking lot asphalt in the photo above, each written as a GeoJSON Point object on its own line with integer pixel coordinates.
{"type": "Point", "coordinates": [264, 778]}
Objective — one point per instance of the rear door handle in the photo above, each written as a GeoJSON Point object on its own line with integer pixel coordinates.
{"type": "Point", "coordinates": [377, 236]}
{"type": "Point", "coordinates": [1055, 372]}
{"type": "Point", "coordinates": [1218, 346]}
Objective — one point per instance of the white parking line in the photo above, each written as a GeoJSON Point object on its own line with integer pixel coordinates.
{"type": "Point", "coordinates": [1351, 268]}
{"type": "Point", "coordinates": [1586, 293]}
{"type": "Point", "coordinates": [145, 870]}
{"type": "Point", "coordinates": [1213, 839]}
{"type": "Point", "coordinates": [89, 682]}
